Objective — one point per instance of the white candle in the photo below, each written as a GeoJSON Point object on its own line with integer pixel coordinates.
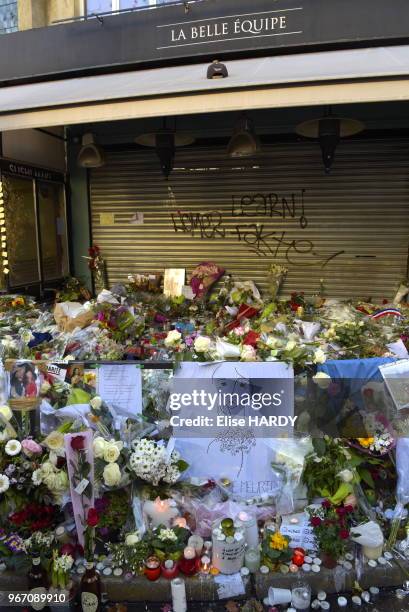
{"type": "Point", "coordinates": [250, 528]}
{"type": "Point", "coordinates": [301, 597]}
{"type": "Point", "coordinates": [196, 542]}
{"type": "Point", "coordinates": [160, 512]}
{"type": "Point", "coordinates": [178, 589]}
{"type": "Point", "coordinates": [189, 552]}
{"type": "Point", "coordinates": [252, 559]}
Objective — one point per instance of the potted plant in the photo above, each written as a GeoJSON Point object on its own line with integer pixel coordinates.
{"type": "Point", "coordinates": [275, 549]}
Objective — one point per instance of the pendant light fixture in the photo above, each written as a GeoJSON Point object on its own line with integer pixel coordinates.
{"type": "Point", "coordinates": [244, 141]}
{"type": "Point", "coordinates": [329, 130]}
{"type": "Point", "coordinates": [165, 141]}
{"type": "Point", "coordinates": [90, 155]}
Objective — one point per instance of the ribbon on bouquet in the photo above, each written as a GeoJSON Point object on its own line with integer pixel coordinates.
{"type": "Point", "coordinates": [80, 462]}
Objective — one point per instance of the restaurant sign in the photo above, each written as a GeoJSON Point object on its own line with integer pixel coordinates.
{"type": "Point", "coordinates": [265, 24]}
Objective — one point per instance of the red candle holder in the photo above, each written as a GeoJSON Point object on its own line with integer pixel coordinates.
{"type": "Point", "coordinates": [170, 569]}
{"type": "Point", "coordinates": [152, 568]}
{"type": "Point", "coordinates": [189, 566]}
{"type": "Point", "coordinates": [298, 556]}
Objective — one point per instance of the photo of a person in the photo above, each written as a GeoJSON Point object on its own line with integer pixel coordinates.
{"type": "Point", "coordinates": [30, 386]}
{"type": "Point", "coordinates": [17, 381]}
{"type": "Point", "coordinates": [75, 375]}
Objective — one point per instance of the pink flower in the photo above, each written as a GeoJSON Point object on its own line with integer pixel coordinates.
{"type": "Point", "coordinates": [30, 447]}
{"type": "Point", "coordinates": [238, 331]}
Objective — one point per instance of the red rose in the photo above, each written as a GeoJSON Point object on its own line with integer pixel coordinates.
{"type": "Point", "coordinates": [344, 534]}
{"type": "Point", "coordinates": [316, 521]}
{"type": "Point", "coordinates": [77, 443]}
{"type": "Point", "coordinates": [326, 503]}
{"type": "Point", "coordinates": [251, 338]}
{"type": "Point", "coordinates": [93, 518]}
{"type": "Point", "coordinates": [348, 509]}
{"type": "Point", "coordinates": [341, 511]}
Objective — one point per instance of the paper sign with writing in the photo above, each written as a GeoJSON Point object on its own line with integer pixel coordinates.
{"type": "Point", "coordinates": [301, 535]}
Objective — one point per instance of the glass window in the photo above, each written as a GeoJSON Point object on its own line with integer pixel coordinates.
{"type": "Point", "coordinates": [21, 231]}
{"type": "Point", "coordinates": [53, 230]}
{"type": "Point", "coordinates": [8, 16]}
{"type": "Point", "coordinates": [127, 4]}
{"type": "Point", "coordinates": [98, 6]}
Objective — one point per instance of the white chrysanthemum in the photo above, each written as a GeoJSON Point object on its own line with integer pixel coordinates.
{"type": "Point", "coordinates": [167, 535]}
{"type": "Point", "coordinates": [4, 483]}
{"type": "Point", "coordinates": [36, 477]}
{"type": "Point", "coordinates": [13, 447]}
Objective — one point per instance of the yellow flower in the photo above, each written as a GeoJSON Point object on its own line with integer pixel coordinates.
{"type": "Point", "coordinates": [18, 301]}
{"type": "Point", "coordinates": [278, 541]}
{"type": "Point", "coordinates": [366, 442]}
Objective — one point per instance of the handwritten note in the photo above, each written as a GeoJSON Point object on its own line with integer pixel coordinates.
{"type": "Point", "coordinates": [301, 534]}
{"type": "Point", "coordinates": [121, 387]}
{"type": "Point", "coordinates": [229, 586]}
{"type": "Point", "coordinates": [396, 377]}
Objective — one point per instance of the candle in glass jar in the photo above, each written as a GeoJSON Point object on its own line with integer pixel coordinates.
{"type": "Point", "coordinates": [249, 524]}
{"type": "Point", "coordinates": [252, 559]}
{"type": "Point", "coordinates": [160, 512]}
{"type": "Point", "coordinates": [61, 535]}
{"type": "Point", "coordinates": [196, 542]}
{"type": "Point", "coordinates": [152, 568]}
{"type": "Point", "coordinates": [301, 596]}
{"type": "Point", "coordinates": [188, 562]}
{"type": "Point", "coordinates": [180, 521]}
{"type": "Point", "coordinates": [170, 569]}
{"type": "Point", "coordinates": [205, 565]}
{"type": "Point", "coordinates": [298, 557]}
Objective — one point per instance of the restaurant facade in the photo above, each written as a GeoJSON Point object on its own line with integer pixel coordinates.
{"type": "Point", "coordinates": [294, 152]}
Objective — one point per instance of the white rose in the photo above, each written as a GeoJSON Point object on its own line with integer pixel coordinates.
{"type": "Point", "coordinates": [111, 452]}
{"type": "Point", "coordinates": [319, 356]}
{"type": "Point", "coordinates": [54, 440]}
{"type": "Point", "coordinates": [6, 412]}
{"type": "Point", "coordinates": [202, 344]}
{"type": "Point", "coordinates": [346, 475]}
{"type": "Point", "coordinates": [112, 474]}
{"type": "Point", "coordinates": [248, 353]}
{"type": "Point", "coordinates": [173, 338]}
{"type": "Point", "coordinates": [96, 402]}
{"type": "Point", "coordinates": [99, 447]}
{"type": "Point", "coordinates": [322, 380]}
{"type": "Point", "coordinates": [290, 345]}
{"type": "Point", "coordinates": [132, 538]}
{"type": "Point", "coordinates": [13, 447]}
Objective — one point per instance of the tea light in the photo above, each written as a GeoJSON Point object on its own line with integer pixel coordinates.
{"type": "Point", "coordinates": [245, 571]}
{"type": "Point", "coordinates": [180, 521]}
{"type": "Point", "coordinates": [382, 561]}
{"type": "Point", "coordinates": [316, 605]}
{"type": "Point", "coordinates": [293, 568]}
{"type": "Point", "coordinates": [347, 565]}
{"type": "Point", "coordinates": [372, 563]}
{"type": "Point", "coordinates": [349, 556]}
{"type": "Point", "coordinates": [324, 605]}
{"type": "Point", "coordinates": [99, 566]}
{"type": "Point", "coordinates": [321, 595]}
{"type": "Point", "coordinates": [317, 561]}
{"type": "Point", "coordinates": [284, 569]}
{"type": "Point", "coordinates": [374, 592]}
{"type": "Point", "coordinates": [205, 565]}
{"type": "Point", "coordinates": [308, 559]}
{"type": "Point", "coordinates": [264, 569]}
{"type": "Point", "coordinates": [152, 568]}
{"type": "Point", "coordinates": [388, 556]}
{"type": "Point", "coordinates": [342, 602]}
{"type": "Point", "coordinates": [160, 512]}
{"type": "Point", "coordinates": [249, 525]}
{"type": "Point", "coordinates": [107, 571]}
{"type": "Point", "coordinates": [306, 567]}
{"type": "Point", "coordinates": [118, 571]}
{"type": "Point", "coordinates": [365, 596]}
{"type": "Point", "coordinates": [196, 542]}
{"type": "Point", "coordinates": [315, 568]}
{"type": "Point", "coordinates": [356, 601]}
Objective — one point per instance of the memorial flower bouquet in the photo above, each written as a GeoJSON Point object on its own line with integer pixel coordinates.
{"type": "Point", "coordinates": [130, 555]}
{"type": "Point", "coordinates": [331, 526]}
{"type": "Point", "coordinates": [151, 463]}
{"type": "Point", "coordinates": [110, 459]}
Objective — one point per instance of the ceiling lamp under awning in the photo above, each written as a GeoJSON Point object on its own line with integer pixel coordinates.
{"type": "Point", "coordinates": [329, 130]}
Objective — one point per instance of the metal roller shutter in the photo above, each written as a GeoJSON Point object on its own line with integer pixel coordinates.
{"type": "Point", "coordinates": [352, 230]}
